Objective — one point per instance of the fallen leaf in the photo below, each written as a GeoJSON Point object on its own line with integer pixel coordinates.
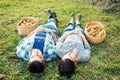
{"type": "Point", "coordinates": [2, 76]}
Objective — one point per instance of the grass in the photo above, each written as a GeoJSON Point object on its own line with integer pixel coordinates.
{"type": "Point", "coordinates": [105, 60]}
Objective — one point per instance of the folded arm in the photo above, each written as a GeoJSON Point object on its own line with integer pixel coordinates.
{"type": "Point", "coordinates": [83, 37]}
{"type": "Point", "coordinates": [69, 33]}
{"type": "Point", "coordinates": [45, 30]}
{"type": "Point", "coordinates": [52, 33]}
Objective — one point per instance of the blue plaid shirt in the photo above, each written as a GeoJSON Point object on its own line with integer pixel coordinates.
{"type": "Point", "coordinates": [25, 46]}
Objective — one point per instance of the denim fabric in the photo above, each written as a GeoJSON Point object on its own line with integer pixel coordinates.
{"type": "Point", "coordinates": [52, 27]}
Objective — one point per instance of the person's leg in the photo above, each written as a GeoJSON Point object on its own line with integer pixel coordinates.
{"type": "Point", "coordinates": [70, 26]}
{"type": "Point", "coordinates": [78, 25]}
{"type": "Point", "coordinates": [51, 24]}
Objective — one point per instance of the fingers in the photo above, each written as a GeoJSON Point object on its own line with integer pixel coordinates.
{"type": "Point", "coordinates": [77, 31]}
{"type": "Point", "coordinates": [40, 29]}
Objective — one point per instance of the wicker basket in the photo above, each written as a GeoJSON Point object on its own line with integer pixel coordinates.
{"type": "Point", "coordinates": [94, 39]}
{"type": "Point", "coordinates": [27, 25]}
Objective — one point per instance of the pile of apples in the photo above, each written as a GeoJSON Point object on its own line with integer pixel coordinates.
{"type": "Point", "coordinates": [27, 23]}
{"type": "Point", "coordinates": [95, 31]}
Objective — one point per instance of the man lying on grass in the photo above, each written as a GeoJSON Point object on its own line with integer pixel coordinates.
{"type": "Point", "coordinates": [72, 47]}
{"type": "Point", "coordinates": [39, 45]}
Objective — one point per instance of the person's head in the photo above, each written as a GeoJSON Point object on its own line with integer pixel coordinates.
{"type": "Point", "coordinates": [66, 68]}
{"type": "Point", "coordinates": [36, 62]}
{"type": "Point", "coordinates": [67, 64]}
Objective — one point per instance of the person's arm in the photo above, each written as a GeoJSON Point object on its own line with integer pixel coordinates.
{"type": "Point", "coordinates": [40, 28]}
{"type": "Point", "coordinates": [44, 29]}
{"type": "Point", "coordinates": [62, 38]}
{"type": "Point", "coordinates": [87, 50]}
{"type": "Point", "coordinates": [86, 44]}
{"type": "Point", "coordinates": [54, 36]}
{"type": "Point", "coordinates": [83, 37]}
{"type": "Point", "coordinates": [66, 35]}
{"type": "Point", "coordinates": [49, 30]}
{"type": "Point", "coordinates": [69, 33]}
{"type": "Point", "coordinates": [31, 34]}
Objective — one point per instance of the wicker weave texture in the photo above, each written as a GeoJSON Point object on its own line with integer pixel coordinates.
{"type": "Point", "coordinates": [27, 25]}
{"type": "Point", "coordinates": [95, 39]}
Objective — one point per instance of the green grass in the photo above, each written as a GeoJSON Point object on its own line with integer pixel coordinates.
{"type": "Point", "coordinates": [105, 60]}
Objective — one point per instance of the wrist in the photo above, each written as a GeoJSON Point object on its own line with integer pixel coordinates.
{"type": "Point", "coordinates": [51, 31]}
{"type": "Point", "coordinates": [83, 37]}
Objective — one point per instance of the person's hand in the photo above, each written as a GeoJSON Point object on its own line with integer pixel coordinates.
{"type": "Point", "coordinates": [40, 29]}
{"type": "Point", "coordinates": [43, 29]}
{"type": "Point", "coordinates": [76, 31]}
{"type": "Point", "coordinates": [49, 30]}
{"type": "Point", "coordinates": [81, 34]}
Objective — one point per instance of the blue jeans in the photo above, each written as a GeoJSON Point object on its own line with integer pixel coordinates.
{"type": "Point", "coordinates": [51, 24]}
{"type": "Point", "coordinates": [72, 27]}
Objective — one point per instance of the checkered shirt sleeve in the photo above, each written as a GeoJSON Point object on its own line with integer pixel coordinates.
{"type": "Point", "coordinates": [24, 47]}
{"type": "Point", "coordinates": [49, 48]}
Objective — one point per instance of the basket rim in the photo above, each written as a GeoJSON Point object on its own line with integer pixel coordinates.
{"type": "Point", "coordinates": [28, 28]}
{"type": "Point", "coordinates": [36, 20]}
{"type": "Point", "coordinates": [99, 23]}
{"type": "Point", "coordinates": [101, 27]}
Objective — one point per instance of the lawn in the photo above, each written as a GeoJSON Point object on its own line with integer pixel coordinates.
{"type": "Point", "coordinates": [105, 60]}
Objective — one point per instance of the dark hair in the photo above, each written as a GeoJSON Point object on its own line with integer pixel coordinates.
{"type": "Point", "coordinates": [66, 68]}
{"type": "Point", "coordinates": [36, 67]}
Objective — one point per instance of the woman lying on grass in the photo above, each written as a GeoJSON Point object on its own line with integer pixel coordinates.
{"type": "Point", "coordinates": [72, 47]}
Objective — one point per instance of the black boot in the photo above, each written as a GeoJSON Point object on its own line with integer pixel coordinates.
{"type": "Point", "coordinates": [49, 13]}
{"type": "Point", "coordinates": [54, 16]}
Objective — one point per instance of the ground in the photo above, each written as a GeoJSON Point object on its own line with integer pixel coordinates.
{"type": "Point", "coordinates": [105, 59]}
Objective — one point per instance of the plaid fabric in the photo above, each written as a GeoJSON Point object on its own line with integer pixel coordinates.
{"type": "Point", "coordinates": [25, 46]}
